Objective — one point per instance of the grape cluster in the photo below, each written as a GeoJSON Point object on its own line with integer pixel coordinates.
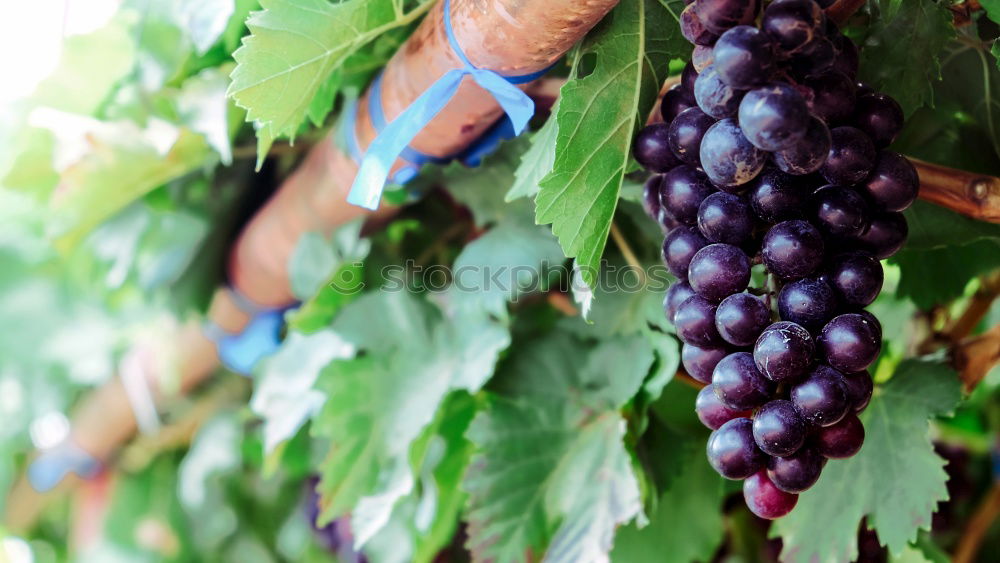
{"type": "Point", "coordinates": [771, 153]}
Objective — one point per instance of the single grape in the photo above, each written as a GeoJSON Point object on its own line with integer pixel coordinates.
{"type": "Point", "coordinates": [821, 398]}
{"type": "Point", "coordinates": [743, 57]}
{"type": "Point", "coordinates": [855, 277]}
{"type": "Point", "coordinates": [677, 293]}
{"type": "Point", "coordinates": [652, 149]}
{"type": "Point", "coordinates": [710, 410]}
{"type": "Point", "coordinates": [673, 103]}
{"type": "Point", "coordinates": [774, 117]}
{"type": "Point", "coordinates": [797, 472]}
{"type": "Point", "coordinates": [778, 428]}
{"type": "Point", "coordinates": [699, 361]}
{"type": "Point", "coordinates": [792, 24]}
{"type": "Point", "coordinates": [728, 158]}
{"type": "Point", "coordinates": [695, 322]}
{"type": "Point", "coordinates": [851, 157]}
{"type": "Point", "coordinates": [840, 211]}
{"type": "Point", "coordinates": [693, 29]}
{"type": "Point", "coordinates": [739, 384]}
{"type": "Point", "coordinates": [885, 236]}
{"type": "Point", "coordinates": [732, 451]}
{"type": "Point", "coordinates": [679, 247]}
{"type": "Point", "coordinates": [741, 318]}
{"type": "Point", "coordinates": [864, 89]}
{"type": "Point", "coordinates": [894, 183]}
{"type": "Point", "coordinates": [776, 196]}
{"type": "Point", "coordinates": [849, 343]}
{"type": "Point", "coordinates": [686, 132]}
{"type": "Point", "coordinates": [847, 57]}
{"type": "Point", "coordinates": [766, 500]}
{"type": "Point", "coordinates": [859, 389]}
{"type": "Point", "coordinates": [784, 351]}
{"type": "Point", "coordinates": [721, 15]}
{"type": "Point", "coordinates": [651, 196]}
{"type": "Point", "coordinates": [809, 153]}
{"type": "Point", "coordinates": [702, 57]}
{"type": "Point", "coordinates": [719, 270]}
{"type": "Point", "coordinates": [833, 95]}
{"type": "Point", "coordinates": [792, 249]}
{"type": "Point", "coordinates": [667, 221]}
{"type": "Point", "coordinates": [724, 217]}
{"type": "Point", "coordinates": [814, 57]}
{"type": "Point", "coordinates": [688, 77]}
{"type": "Point", "coordinates": [715, 97]}
{"type": "Point", "coordinates": [872, 322]}
{"type": "Point", "coordinates": [682, 191]}
{"type": "Point", "coordinates": [808, 302]}
{"type": "Point", "coordinates": [841, 440]}
{"type": "Point", "coordinates": [880, 117]}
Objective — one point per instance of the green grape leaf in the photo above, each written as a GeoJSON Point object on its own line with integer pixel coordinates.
{"type": "Point", "coordinates": [598, 116]}
{"type": "Point", "coordinates": [688, 514]}
{"type": "Point", "coordinates": [992, 8]}
{"type": "Point", "coordinates": [937, 276]}
{"type": "Point", "coordinates": [896, 480]}
{"type": "Point", "coordinates": [379, 403]}
{"type": "Point", "coordinates": [932, 226]}
{"type": "Point", "coordinates": [550, 473]}
{"type": "Point", "coordinates": [204, 20]}
{"type": "Point", "coordinates": [316, 258]}
{"type": "Point", "coordinates": [293, 48]}
{"type": "Point", "coordinates": [901, 55]}
{"type": "Point", "coordinates": [202, 106]}
{"type": "Point", "coordinates": [537, 161]}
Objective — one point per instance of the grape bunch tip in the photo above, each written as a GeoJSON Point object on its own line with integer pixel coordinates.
{"type": "Point", "coordinates": [771, 152]}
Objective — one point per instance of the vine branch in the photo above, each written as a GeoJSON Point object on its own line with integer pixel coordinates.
{"type": "Point", "coordinates": [986, 513]}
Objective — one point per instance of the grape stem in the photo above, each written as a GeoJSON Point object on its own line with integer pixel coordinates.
{"type": "Point", "coordinates": [974, 357]}
{"type": "Point", "coordinates": [976, 309]}
{"type": "Point", "coordinates": [981, 521]}
{"type": "Point", "coordinates": [626, 250]}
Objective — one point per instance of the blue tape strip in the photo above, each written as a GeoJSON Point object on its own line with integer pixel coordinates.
{"type": "Point", "coordinates": [260, 338]}
{"type": "Point", "coordinates": [53, 465]}
{"type": "Point", "coordinates": [394, 139]}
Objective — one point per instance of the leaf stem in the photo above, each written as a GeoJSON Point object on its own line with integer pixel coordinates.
{"type": "Point", "coordinates": [627, 252]}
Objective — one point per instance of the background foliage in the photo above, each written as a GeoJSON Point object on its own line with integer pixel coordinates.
{"type": "Point", "coordinates": [507, 423]}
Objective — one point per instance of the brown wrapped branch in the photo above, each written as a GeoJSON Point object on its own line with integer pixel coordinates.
{"type": "Point", "coordinates": [976, 356]}
{"type": "Point", "coordinates": [974, 195]}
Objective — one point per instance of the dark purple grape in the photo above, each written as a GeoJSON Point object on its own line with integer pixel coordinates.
{"type": "Point", "coordinates": [732, 451]}
{"type": "Point", "coordinates": [651, 196]}
{"type": "Point", "coordinates": [808, 302]}
{"type": "Point", "coordinates": [797, 472]}
{"type": "Point", "coordinates": [814, 57]}
{"type": "Point", "coordinates": [728, 158]}
{"type": "Point", "coordinates": [849, 343]}
{"type": "Point", "coordinates": [864, 89]}
{"type": "Point", "coordinates": [724, 217]}
{"type": "Point", "coordinates": [686, 133]}
{"type": "Point", "coordinates": [743, 57]}
{"type": "Point", "coordinates": [667, 221]}
{"type": "Point", "coordinates": [880, 117]}
{"type": "Point", "coordinates": [688, 77]}
{"type": "Point", "coordinates": [821, 398]}
{"type": "Point", "coordinates": [872, 321]}
{"type": "Point", "coordinates": [774, 117]}
{"type": "Point", "coordinates": [699, 362]}
{"type": "Point", "coordinates": [792, 23]}
{"type": "Point", "coordinates": [893, 184]}
{"type": "Point", "coordinates": [715, 97]}
{"type": "Point", "coordinates": [784, 351]}
{"type": "Point", "coordinates": [739, 384]}
{"type": "Point", "coordinates": [841, 440]}
{"type": "Point", "coordinates": [833, 95]}
{"type": "Point", "coordinates": [851, 157]}
{"type": "Point", "coordinates": [809, 153]}
{"type": "Point", "coordinates": [847, 58]}
{"type": "Point", "coordinates": [673, 103]}
{"type": "Point", "coordinates": [859, 389]}
{"type": "Point", "coordinates": [679, 247]}
{"type": "Point", "coordinates": [677, 293]}
{"type": "Point", "coordinates": [776, 196]}
{"type": "Point", "coordinates": [885, 236]}
{"type": "Point", "coordinates": [792, 249]}
{"type": "Point", "coordinates": [740, 319]}
{"type": "Point", "coordinates": [652, 149]}
{"type": "Point", "coordinates": [766, 500]}
{"type": "Point", "coordinates": [694, 30]}
{"type": "Point", "coordinates": [682, 191]}
{"type": "Point", "coordinates": [719, 270]}
{"type": "Point", "coordinates": [695, 322]}
{"type": "Point", "coordinates": [840, 211]}
{"type": "Point", "coordinates": [710, 410]}
{"type": "Point", "coordinates": [856, 278]}
{"type": "Point", "coordinates": [825, 3]}
{"type": "Point", "coordinates": [778, 428]}
{"type": "Point", "coordinates": [702, 57]}
{"type": "Point", "coordinates": [721, 15]}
